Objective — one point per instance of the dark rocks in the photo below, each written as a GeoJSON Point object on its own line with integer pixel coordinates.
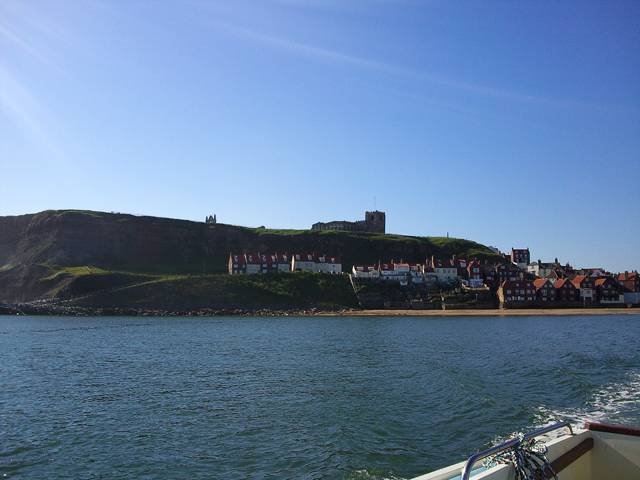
{"type": "Point", "coordinates": [65, 310]}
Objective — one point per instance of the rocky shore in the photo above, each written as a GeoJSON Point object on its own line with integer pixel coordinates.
{"type": "Point", "coordinates": [65, 310]}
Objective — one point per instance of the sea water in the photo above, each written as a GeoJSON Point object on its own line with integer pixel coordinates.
{"type": "Point", "coordinates": [297, 398]}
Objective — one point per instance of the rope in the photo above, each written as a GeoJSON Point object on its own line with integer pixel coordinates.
{"type": "Point", "coordinates": [529, 459]}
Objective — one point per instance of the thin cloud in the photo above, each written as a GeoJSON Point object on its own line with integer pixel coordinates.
{"type": "Point", "coordinates": [27, 34]}
{"type": "Point", "coordinates": [23, 111]}
{"type": "Point", "coordinates": [320, 53]}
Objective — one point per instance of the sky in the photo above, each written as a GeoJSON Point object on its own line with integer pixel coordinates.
{"type": "Point", "coordinates": [514, 124]}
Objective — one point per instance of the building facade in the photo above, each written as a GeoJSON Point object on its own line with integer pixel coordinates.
{"type": "Point", "coordinates": [521, 257]}
{"type": "Point", "coordinates": [445, 270]}
{"type": "Point", "coordinates": [374, 222]}
{"type": "Point", "coordinates": [516, 292]}
{"type": "Point", "coordinates": [630, 281]}
{"type": "Point", "coordinates": [544, 290]}
{"type": "Point", "coordinates": [585, 285]}
{"type": "Point", "coordinates": [328, 264]}
{"type": "Point", "coordinates": [566, 291]}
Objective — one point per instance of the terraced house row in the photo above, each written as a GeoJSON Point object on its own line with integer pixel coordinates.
{"type": "Point", "coordinates": [265, 263]}
{"type": "Point", "coordinates": [580, 290]}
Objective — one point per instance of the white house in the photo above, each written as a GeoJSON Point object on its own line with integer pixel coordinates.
{"type": "Point", "coordinates": [366, 271]}
{"type": "Point", "coordinates": [253, 264]}
{"type": "Point", "coordinates": [446, 272]}
{"type": "Point", "coordinates": [268, 263]}
{"type": "Point", "coordinates": [416, 272]}
{"type": "Point", "coordinates": [388, 272]}
{"type": "Point", "coordinates": [304, 262]}
{"type": "Point", "coordinates": [237, 264]}
{"type": "Point", "coordinates": [328, 264]}
{"type": "Point", "coordinates": [402, 273]}
{"type": "Point", "coordinates": [284, 262]}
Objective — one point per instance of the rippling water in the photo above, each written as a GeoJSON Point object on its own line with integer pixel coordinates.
{"type": "Point", "coordinates": [284, 398]}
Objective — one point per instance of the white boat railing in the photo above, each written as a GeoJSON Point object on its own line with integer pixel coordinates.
{"type": "Point", "coordinates": [475, 458]}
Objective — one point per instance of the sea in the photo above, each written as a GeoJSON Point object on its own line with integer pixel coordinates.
{"type": "Point", "coordinates": [297, 397]}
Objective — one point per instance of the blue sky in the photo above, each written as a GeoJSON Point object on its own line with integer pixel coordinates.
{"type": "Point", "coordinates": [510, 123]}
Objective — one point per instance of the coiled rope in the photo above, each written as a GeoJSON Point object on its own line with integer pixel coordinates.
{"type": "Point", "coordinates": [529, 458]}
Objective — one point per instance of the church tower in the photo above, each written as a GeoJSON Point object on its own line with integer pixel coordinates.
{"type": "Point", "coordinates": [375, 221]}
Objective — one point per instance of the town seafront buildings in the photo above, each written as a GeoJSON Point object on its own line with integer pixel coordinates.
{"type": "Point", "coordinates": [512, 279]}
{"type": "Point", "coordinates": [514, 282]}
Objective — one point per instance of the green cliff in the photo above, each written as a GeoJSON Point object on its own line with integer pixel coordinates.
{"type": "Point", "coordinates": [110, 258]}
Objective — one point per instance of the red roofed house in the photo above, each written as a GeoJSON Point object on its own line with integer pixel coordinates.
{"type": "Point", "coordinates": [475, 274]}
{"type": "Point", "coordinates": [545, 292]}
{"type": "Point", "coordinates": [396, 272]}
{"type": "Point", "coordinates": [630, 281]}
{"type": "Point", "coordinates": [253, 264]}
{"type": "Point", "coordinates": [284, 262]}
{"type": "Point", "coordinates": [566, 291]}
{"type": "Point", "coordinates": [366, 271]}
{"type": "Point", "coordinates": [416, 271]}
{"type": "Point", "coordinates": [608, 291]}
{"type": "Point", "coordinates": [328, 264]}
{"type": "Point", "coordinates": [268, 263]}
{"type": "Point", "coordinates": [304, 262]}
{"type": "Point", "coordinates": [585, 284]}
{"type": "Point", "coordinates": [444, 269]}
{"type": "Point", "coordinates": [516, 293]}
{"type": "Point", "coordinates": [388, 271]}
{"type": "Point", "coordinates": [237, 264]}
{"type": "Point", "coordinates": [461, 266]}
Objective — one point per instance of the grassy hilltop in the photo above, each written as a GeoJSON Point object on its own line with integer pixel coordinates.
{"type": "Point", "coordinates": [112, 258]}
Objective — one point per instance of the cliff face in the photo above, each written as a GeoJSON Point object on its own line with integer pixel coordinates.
{"type": "Point", "coordinates": [35, 249]}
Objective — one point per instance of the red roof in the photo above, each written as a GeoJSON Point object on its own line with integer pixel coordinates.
{"type": "Point", "coordinates": [238, 258]}
{"type": "Point", "coordinates": [252, 259]}
{"type": "Point", "coordinates": [538, 283]}
{"type": "Point", "coordinates": [268, 259]}
{"type": "Point", "coordinates": [577, 280]}
{"type": "Point", "coordinates": [627, 276]}
{"type": "Point", "coordinates": [561, 283]}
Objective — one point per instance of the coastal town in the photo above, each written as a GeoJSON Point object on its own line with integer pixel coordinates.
{"type": "Point", "coordinates": [514, 281]}
{"type": "Point", "coordinates": [508, 280]}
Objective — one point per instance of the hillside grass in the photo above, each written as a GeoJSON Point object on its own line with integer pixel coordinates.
{"type": "Point", "coordinates": [218, 291]}
{"type": "Point", "coordinates": [71, 281]}
{"type": "Point", "coordinates": [462, 247]}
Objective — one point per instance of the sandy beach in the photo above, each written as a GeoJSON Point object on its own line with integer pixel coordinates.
{"type": "Point", "coordinates": [495, 312]}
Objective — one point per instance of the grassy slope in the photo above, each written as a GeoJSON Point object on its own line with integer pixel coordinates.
{"type": "Point", "coordinates": [283, 291]}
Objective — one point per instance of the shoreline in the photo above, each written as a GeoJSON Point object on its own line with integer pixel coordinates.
{"type": "Point", "coordinates": [495, 312]}
{"type": "Point", "coordinates": [57, 310]}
